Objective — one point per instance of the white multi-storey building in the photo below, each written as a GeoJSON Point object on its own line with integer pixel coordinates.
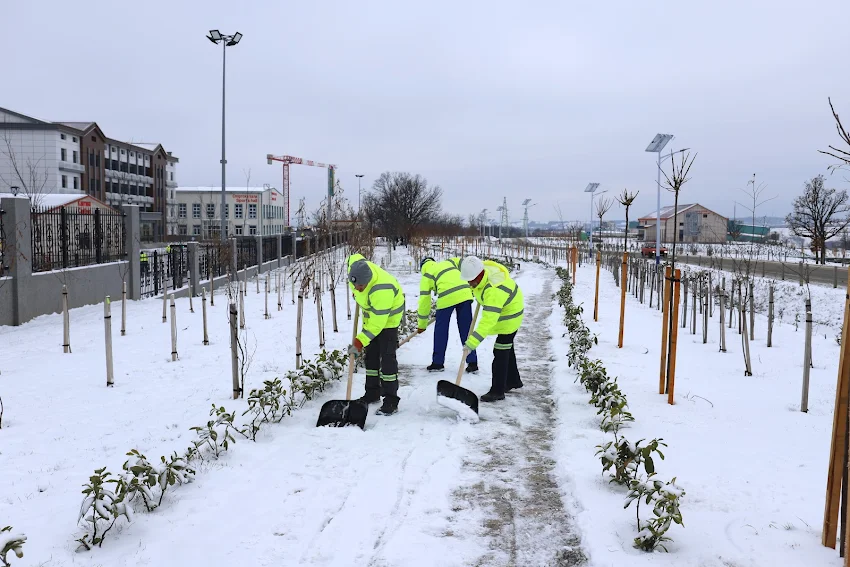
{"type": "Point", "coordinates": [248, 211]}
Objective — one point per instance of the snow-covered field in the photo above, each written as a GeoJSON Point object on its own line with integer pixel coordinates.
{"type": "Point", "coordinates": [521, 487]}
{"type": "Point", "coordinates": [752, 465]}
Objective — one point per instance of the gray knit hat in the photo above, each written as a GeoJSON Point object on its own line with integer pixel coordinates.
{"type": "Point", "coordinates": [360, 273]}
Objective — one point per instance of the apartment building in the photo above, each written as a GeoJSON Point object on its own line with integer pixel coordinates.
{"type": "Point", "coordinates": [42, 157]}
{"type": "Point", "coordinates": [248, 211]}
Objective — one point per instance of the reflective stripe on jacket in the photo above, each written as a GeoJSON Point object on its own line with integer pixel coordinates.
{"type": "Point", "coordinates": [501, 304]}
{"type": "Point", "coordinates": [382, 304]}
{"type": "Point", "coordinates": [444, 279]}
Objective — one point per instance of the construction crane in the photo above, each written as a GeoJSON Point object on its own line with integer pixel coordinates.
{"type": "Point", "coordinates": [525, 217]}
{"type": "Point", "coordinates": [287, 160]}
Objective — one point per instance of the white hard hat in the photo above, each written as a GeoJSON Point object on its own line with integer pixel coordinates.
{"type": "Point", "coordinates": [471, 267]}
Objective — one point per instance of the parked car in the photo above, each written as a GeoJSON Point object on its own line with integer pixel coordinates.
{"type": "Point", "coordinates": [648, 251]}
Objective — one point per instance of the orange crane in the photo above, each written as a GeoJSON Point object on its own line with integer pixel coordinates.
{"type": "Point", "coordinates": [287, 160]}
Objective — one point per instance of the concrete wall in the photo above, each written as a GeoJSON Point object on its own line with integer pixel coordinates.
{"type": "Point", "coordinates": [86, 286]}
{"type": "Point", "coordinates": [6, 299]}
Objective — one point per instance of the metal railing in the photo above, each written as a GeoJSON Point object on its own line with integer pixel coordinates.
{"type": "Point", "coordinates": [69, 238]}
{"type": "Point", "coordinates": [159, 267]}
{"type": "Point", "coordinates": [269, 248]}
{"type": "Point", "coordinates": [246, 252]}
{"type": "Point", "coordinates": [213, 259]}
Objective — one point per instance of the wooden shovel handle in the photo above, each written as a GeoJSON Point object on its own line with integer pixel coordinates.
{"type": "Point", "coordinates": [466, 351]}
{"type": "Point", "coordinates": [413, 334]}
{"type": "Point", "coordinates": [351, 356]}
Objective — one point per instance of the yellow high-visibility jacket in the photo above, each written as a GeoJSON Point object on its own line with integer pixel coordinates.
{"type": "Point", "coordinates": [444, 279]}
{"type": "Point", "coordinates": [501, 304]}
{"type": "Point", "coordinates": [382, 303]}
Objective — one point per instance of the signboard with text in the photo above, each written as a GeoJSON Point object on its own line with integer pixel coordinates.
{"type": "Point", "coordinates": [246, 198]}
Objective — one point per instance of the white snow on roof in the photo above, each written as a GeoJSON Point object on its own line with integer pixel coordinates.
{"type": "Point", "coordinates": [52, 200]}
{"type": "Point", "coordinates": [227, 189]}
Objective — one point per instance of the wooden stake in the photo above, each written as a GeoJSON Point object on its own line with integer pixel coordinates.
{"type": "Point", "coordinates": [299, 322]}
{"type": "Point", "coordinates": [662, 374]}
{"type": "Point", "coordinates": [66, 322]}
{"type": "Point", "coordinates": [204, 310]}
{"type": "Point", "coordinates": [807, 357]}
{"type": "Point", "coordinates": [770, 317]}
{"type": "Point", "coordinates": [268, 286]}
{"type": "Point", "coordinates": [107, 327]}
{"type": "Point", "coordinates": [332, 289]}
{"type": "Point", "coordinates": [173, 330]}
{"type": "Point", "coordinates": [319, 318]}
{"type": "Point", "coordinates": [671, 380]}
{"type": "Point", "coordinates": [212, 288]}
{"type": "Point", "coordinates": [623, 286]}
{"type": "Point", "coordinates": [596, 297]}
{"type": "Point", "coordinates": [752, 311]}
{"type": "Point", "coordinates": [279, 302]}
{"type": "Point", "coordinates": [242, 307]}
{"type": "Point", "coordinates": [234, 351]}
{"type": "Point", "coordinates": [164, 299]}
{"type": "Point", "coordinates": [722, 308]}
{"type": "Point", "coordinates": [123, 308]}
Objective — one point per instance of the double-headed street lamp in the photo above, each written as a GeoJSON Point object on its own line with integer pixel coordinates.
{"type": "Point", "coordinates": [226, 41]}
{"type": "Point", "coordinates": [656, 146]}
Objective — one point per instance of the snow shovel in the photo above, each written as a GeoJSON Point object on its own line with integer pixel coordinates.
{"type": "Point", "coordinates": [339, 413]}
{"type": "Point", "coordinates": [413, 334]}
{"type": "Point", "coordinates": [452, 395]}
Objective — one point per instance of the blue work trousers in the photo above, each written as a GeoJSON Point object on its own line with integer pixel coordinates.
{"type": "Point", "coordinates": [441, 330]}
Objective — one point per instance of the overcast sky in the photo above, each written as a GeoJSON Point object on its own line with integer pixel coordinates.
{"type": "Point", "coordinates": [486, 99]}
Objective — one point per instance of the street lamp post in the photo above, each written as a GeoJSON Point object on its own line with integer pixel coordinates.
{"type": "Point", "coordinates": [656, 146]}
{"type": "Point", "coordinates": [359, 176]}
{"type": "Point", "coordinates": [226, 41]}
{"type": "Point", "coordinates": [591, 188]}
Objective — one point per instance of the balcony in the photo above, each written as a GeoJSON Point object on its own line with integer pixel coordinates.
{"type": "Point", "coordinates": [75, 167]}
{"type": "Point", "coordinates": [171, 184]}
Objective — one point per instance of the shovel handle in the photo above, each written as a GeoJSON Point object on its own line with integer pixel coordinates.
{"type": "Point", "coordinates": [351, 356]}
{"type": "Point", "coordinates": [466, 351]}
{"type": "Point", "coordinates": [413, 334]}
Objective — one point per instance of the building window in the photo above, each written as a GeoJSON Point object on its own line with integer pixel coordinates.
{"type": "Point", "coordinates": [171, 176]}
{"type": "Point", "coordinates": [196, 229]}
{"type": "Point", "coordinates": [237, 210]}
{"type": "Point", "coordinates": [183, 230]}
{"type": "Point", "coordinates": [182, 210]}
{"type": "Point", "coordinates": [210, 210]}
{"type": "Point", "coordinates": [122, 152]}
{"type": "Point", "coordinates": [91, 158]}
{"type": "Point", "coordinates": [75, 156]}
{"type": "Point", "coordinates": [97, 160]}
{"type": "Point", "coordinates": [62, 136]}
{"type": "Point", "coordinates": [74, 139]}
{"type": "Point", "coordinates": [238, 230]}
{"type": "Point", "coordinates": [63, 154]}
{"type": "Point", "coordinates": [93, 139]}
{"type": "Point", "coordinates": [252, 211]}
{"type": "Point", "coordinates": [132, 154]}
{"type": "Point", "coordinates": [64, 182]}
{"type": "Point", "coordinates": [76, 182]}
{"type": "Point", "coordinates": [196, 210]}
{"type": "Point", "coordinates": [252, 229]}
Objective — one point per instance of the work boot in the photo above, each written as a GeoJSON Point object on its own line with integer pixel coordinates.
{"type": "Point", "coordinates": [389, 389]}
{"type": "Point", "coordinates": [434, 367]}
{"type": "Point", "coordinates": [516, 386]}
{"type": "Point", "coordinates": [472, 368]}
{"type": "Point", "coordinates": [492, 396]}
{"type": "Point", "coordinates": [373, 391]}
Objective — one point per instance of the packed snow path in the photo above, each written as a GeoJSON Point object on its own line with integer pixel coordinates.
{"type": "Point", "coordinates": [417, 488]}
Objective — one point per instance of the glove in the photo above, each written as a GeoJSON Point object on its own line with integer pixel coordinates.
{"type": "Point", "coordinates": [420, 331]}
{"type": "Point", "coordinates": [357, 344]}
{"type": "Point", "coordinates": [352, 350]}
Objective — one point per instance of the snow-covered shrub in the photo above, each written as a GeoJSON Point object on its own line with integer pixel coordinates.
{"type": "Point", "coordinates": [10, 542]}
{"type": "Point", "coordinates": [265, 406]}
{"type": "Point", "coordinates": [217, 435]}
{"type": "Point", "coordinates": [101, 508]}
{"type": "Point", "coordinates": [664, 498]}
{"type": "Point", "coordinates": [626, 458]}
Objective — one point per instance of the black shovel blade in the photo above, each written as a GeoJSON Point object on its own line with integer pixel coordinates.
{"type": "Point", "coordinates": [452, 391]}
{"type": "Point", "coordinates": [340, 413]}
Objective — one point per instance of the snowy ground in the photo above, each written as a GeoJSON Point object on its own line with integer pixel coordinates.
{"type": "Point", "coordinates": [753, 465]}
{"type": "Point", "coordinates": [521, 487]}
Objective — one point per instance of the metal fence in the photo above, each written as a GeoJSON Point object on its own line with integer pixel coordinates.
{"type": "Point", "coordinates": [213, 259]}
{"type": "Point", "coordinates": [69, 238]}
{"type": "Point", "coordinates": [246, 252]}
{"type": "Point", "coordinates": [159, 267]}
{"type": "Point", "coordinates": [269, 248]}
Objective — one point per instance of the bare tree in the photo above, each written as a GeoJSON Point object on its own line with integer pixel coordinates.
{"type": "Point", "coordinates": [843, 156]}
{"type": "Point", "coordinates": [603, 205]}
{"type": "Point", "coordinates": [403, 202]}
{"type": "Point", "coordinates": [674, 181]}
{"type": "Point", "coordinates": [29, 174]}
{"type": "Point", "coordinates": [626, 199]}
{"type": "Point", "coordinates": [819, 214]}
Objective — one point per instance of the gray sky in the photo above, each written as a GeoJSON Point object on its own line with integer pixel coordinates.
{"type": "Point", "coordinates": [485, 99]}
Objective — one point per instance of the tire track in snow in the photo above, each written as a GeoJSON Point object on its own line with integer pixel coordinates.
{"type": "Point", "coordinates": [512, 472]}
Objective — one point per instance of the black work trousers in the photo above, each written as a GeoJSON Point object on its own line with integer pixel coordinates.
{"type": "Point", "coordinates": [379, 356]}
{"type": "Point", "coordinates": [505, 371]}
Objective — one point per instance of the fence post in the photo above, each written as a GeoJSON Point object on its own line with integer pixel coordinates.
{"type": "Point", "coordinates": [194, 268]}
{"type": "Point", "coordinates": [834, 277]}
{"type": "Point", "coordinates": [133, 249]}
{"type": "Point", "coordinates": [234, 261]}
{"type": "Point", "coordinates": [18, 252]}
{"type": "Point", "coordinates": [107, 327]}
{"type": "Point", "coordinates": [258, 241]}
{"type": "Point", "coordinates": [279, 249]}
{"type": "Point", "coordinates": [63, 235]}
{"type": "Point", "coordinates": [234, 351]}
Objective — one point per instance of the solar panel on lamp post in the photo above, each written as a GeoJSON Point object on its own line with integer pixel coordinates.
{"type": "Point", "coordinates": [656, 146]}
{"type": "Point", "coordinates": [591, 188]}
